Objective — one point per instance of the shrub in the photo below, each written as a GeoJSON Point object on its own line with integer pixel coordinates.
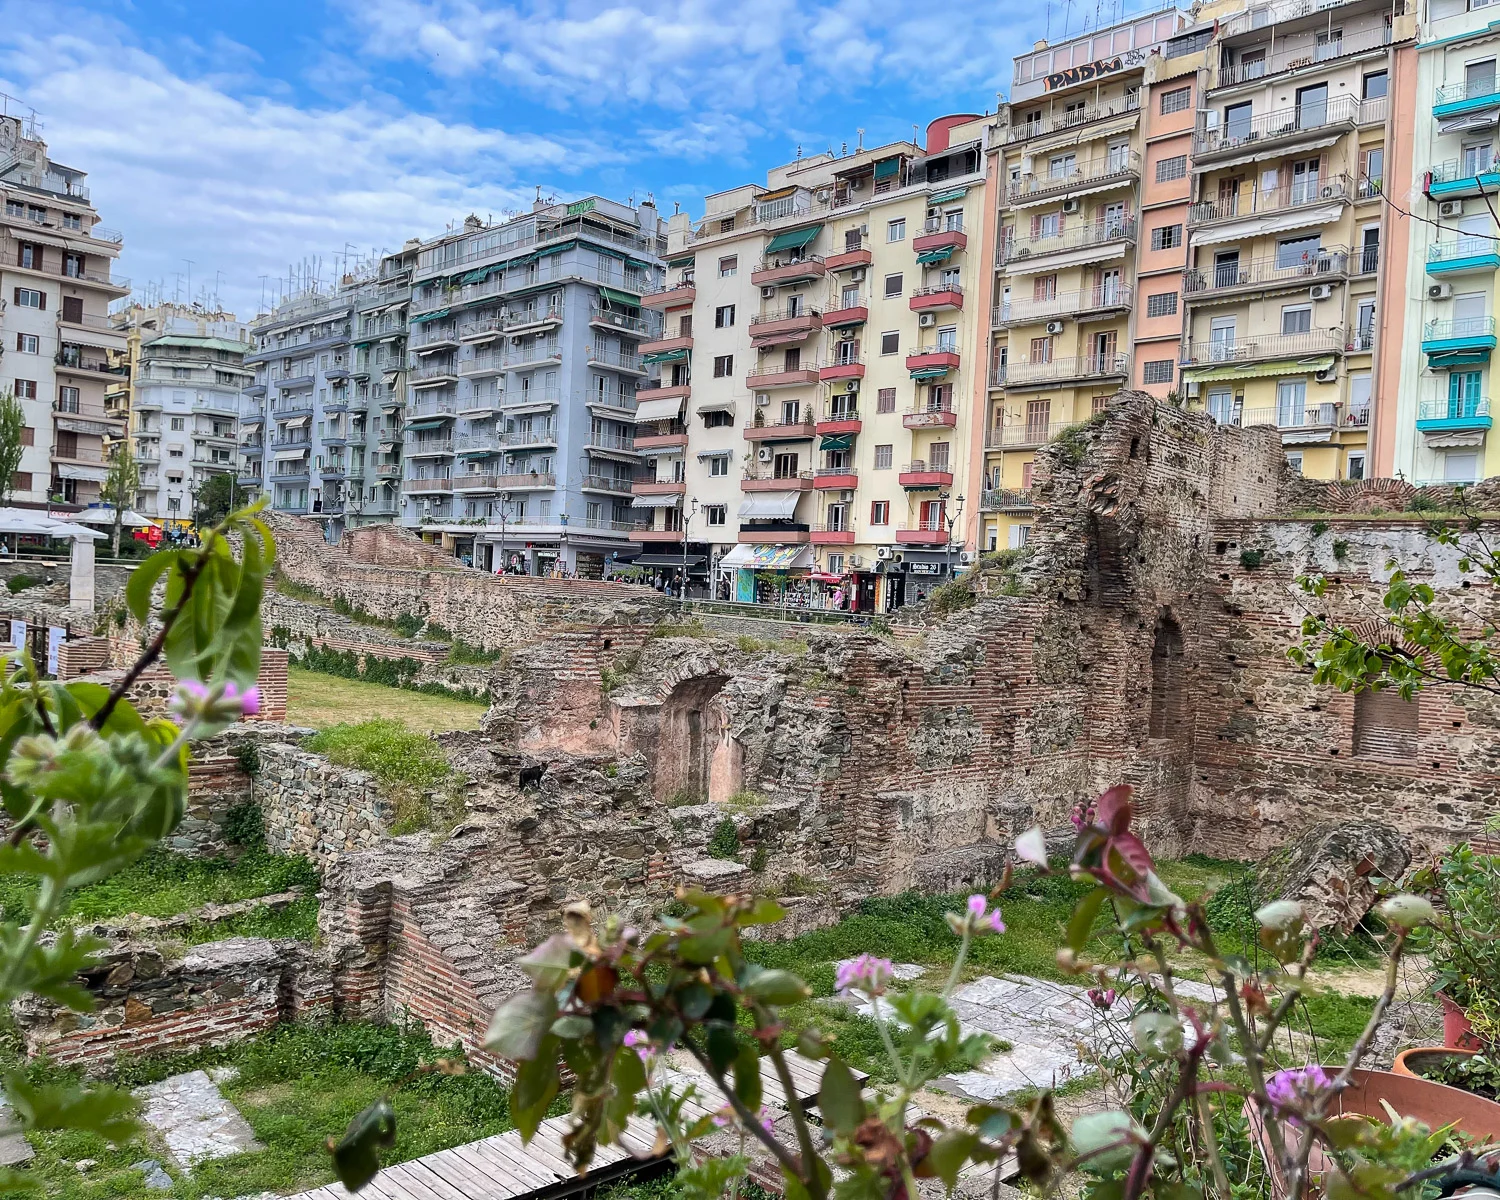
{"type": "Point", "coordinates": [724, 842]}
{"type": "Point", "coordinates": [1250, 559]}
{"type": "Point", "coordinates": [408, 625]}
{"type": "Point", "coordinates": [19, 583]}
{"type": "Point", "coordinates": [438, 633]}
{"type": "Point", "coordinates": [951, 597]}
{"type": "Point", "coordinates": [470, 652]}
{"type": "Point", "coordinates": [759, 859]}
{"type": "Point", "coordinates": [1319, 528]}
{"type": "Point", "coordinates": [245, 825]}
{"type": "Point", "coordinates": [387, 749]}
{"type": "Point", "coordinates": [1340, 549]}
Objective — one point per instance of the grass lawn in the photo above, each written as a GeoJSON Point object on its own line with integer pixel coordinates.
{"type": "Point", "coordinates": [296, 1086]}
{"type": "Point", "coordinates": [319, 700]}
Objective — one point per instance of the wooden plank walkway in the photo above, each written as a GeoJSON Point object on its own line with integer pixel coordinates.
{"type": "Point", "coordinates": [501, 1168]}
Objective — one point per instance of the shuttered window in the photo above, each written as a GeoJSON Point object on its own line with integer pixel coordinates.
{"type": "Point", "coordinates": [1385, 725]}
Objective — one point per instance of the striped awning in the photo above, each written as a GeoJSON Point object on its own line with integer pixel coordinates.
{"type": "Point", "coordinates": [1282, 366]}
{"type": "Point", "coordinates": [836, 441]}
{"type": "Point", "coordinates": [432, 316]}
{"type": "Point", "coordinates": [664, 356]}
{"type": "Point", "coordinates": [950, 194]}
{"type": "Point", "coordinates": [929, 372]}
{"type": "Point", "coordinates": [941, 254]}
{"type": "Point", "coordinates": [669, 501]}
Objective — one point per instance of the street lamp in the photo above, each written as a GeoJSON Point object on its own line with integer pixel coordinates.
{"type": "Point", "coordinates": [504, 500]}
{"type": "Point", "coordinates": [687, 520]}
{"type": "Point", "coordinates": [950, 521]}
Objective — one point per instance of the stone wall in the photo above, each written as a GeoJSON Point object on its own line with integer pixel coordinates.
{"type": "Point", "coordinates": [317, 809]}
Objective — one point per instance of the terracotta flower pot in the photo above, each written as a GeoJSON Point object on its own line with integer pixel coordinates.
{"type": "Point", "coordinates": [1412, 1061]}
{"type": "Point", "coordinates": [1457, 1032]}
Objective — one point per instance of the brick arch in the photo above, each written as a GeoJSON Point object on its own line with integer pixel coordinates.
{"type": "Point", "coordinates": [697, 758]}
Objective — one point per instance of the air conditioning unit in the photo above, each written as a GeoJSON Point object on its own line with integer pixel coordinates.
{"type": "Point", "coordinates": [855, 560]}
{"type": "Point", "coordinates": [846, 495]}
{"type": "Point", "coordinates": [1328, 191]}
{"type": "Point", "coordinates": [852, 385]}
{"type": "Point", "coordinates": [822, 194]}
{"type": "Point", "coordinates": [768, 293]}
{"type": "Point", "coordinates": [1450, 208]}
{"type": "Point", "coordinates": [857, 274]}
{"type": "Point", "coordinates": [1320, 291]}
{"type": "Point", "coordinates": [884, 553]}
{"type": "Point", "coordinates": [1054, 326]}
{"type": "Point", "coordinates": [762, 399]}
{"type": "Point", "coordinates": [1326, 375]}
{"type": "Point", "coordinates": [765, 454]}
{"type": "Point", "coordinates": [927, 320]}
{"type": "Point", "coordinates": [1071, 206]}
{"type": "Point", "coordinates": [1439, 291]}
{"type": "Point", "coordinates": [966, 557]}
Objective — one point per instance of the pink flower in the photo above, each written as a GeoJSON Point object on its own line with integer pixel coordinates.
{"type": "Point", "coordinates": [1102, 997]}
{"type": "Point", "coordinates": [1083, 814]}
{"type": "Point", "coordinates": [248, 700]}
{"type": "Point", "coordinates": [977, 905]}
{"type": "Point", "coordinates": [866, 973]}
{"type": "Point", "coordinates": [1292, 1091]}
{"type": "Point", "coordinates": [980, 917]}
{"type": "Point", "coordinates": [722, 1118]}
{"type": "Point", "coordinates": [766, 1121]}
{"type": "Point", "coordinates": [641, 1044]}
{"type": "Point", "coordinates": [995, 923]}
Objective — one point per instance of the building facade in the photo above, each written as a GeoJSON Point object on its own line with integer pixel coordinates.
{"type": "Point", "coordinates": [187, 370]}
{"type": "Point", "coordinates": [378, 401]}
{"type": "Point", "coordinates": [523, 373]}
{"type": "Point", "coordinates": [816, 366]}
{"type": "Point", "coordinates": [60, 352]}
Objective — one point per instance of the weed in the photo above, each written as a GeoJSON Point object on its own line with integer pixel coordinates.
{"type": "Point", "coordinates": [407, 765]}
{"type": "Point", "coordinates": [470, 652]}
{"type": "Point", "coordinates": [611, 770]}
{"type": "Point", "coordinates": [409, 625]}
{"type": "Point", "coordinates": [999, 560]}
{"type": "Point", "coordinates": [1340, 549]}
{"type": "Point", "coordinates": [1319, 528]}
{"type": "Point", "coordinates": [1250, 559]}
{"type": "Point", "coordinates": [248, 755]}
{"type": "Point", "coordinates": [724, 842]}
{"type": "Point", "coordinates": [751, 645]}
{"type": "Point", "coordinates": [674, 629]}
{"type": "Point", "coordinates": [19, 583]}
{"type": "Point", "coordinates": [746, 801]}
{"type": "Point", "coordinates": [245, 825]}
{"type": "Point", "coordinates": [1073, 442]}
{"type": "Point", "coordinates": [951, 597]}
{"type": "Point", "coordinates": [616, 673]}
{"type": "Point", "coordinates": [802, 885]}
{"type": "Point", "coordinates": [438, 633]}
{"type": "Point", "coordinates": [759, 859]}
{"type": "Point", "coordinates": [681, 798]}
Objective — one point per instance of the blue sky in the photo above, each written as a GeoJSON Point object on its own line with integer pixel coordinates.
{"type": "Point", "coordinates": [245, 135]}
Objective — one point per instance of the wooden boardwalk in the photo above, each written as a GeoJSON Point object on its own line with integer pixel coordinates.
{"type": "Point", "coordinates": [501, 1168]}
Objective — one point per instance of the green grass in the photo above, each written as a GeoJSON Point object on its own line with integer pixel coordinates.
{"type": "Point", "coordinates": [297, 1085]}
{"type": "Point", "coordinates": [320, 700]}
{"type": "Point", "coordinates": [408, 765]}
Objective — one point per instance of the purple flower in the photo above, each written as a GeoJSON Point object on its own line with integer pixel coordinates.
{"type": "Point", "coordinates": [641, 1044]}
{"type": "Point", "coordinates": [1292, 1091]}
{"type": "Point", "coordinates": [977, 905]}
{"type": "Point", "coordinates": [866, 973]}
{"type": "Point", "coordinates": [766, 1121]}
{"type": "Point", "coordinates": [722, 1117]}
{"type": "Point", "coordinates": [1083, 814]}
{"type": "Point", "coordinates": [248, 700]}
{"type": "Point", "coordinates": [1102, 997]}
{"type": "Point", "coordinates": [980, 918]}
{"type": "Point", "coordinates": [995, 923]}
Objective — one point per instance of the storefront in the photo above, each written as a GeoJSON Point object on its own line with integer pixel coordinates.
{"type": "Point", "coordinates": [766, 574]}
{"type": "Point", "coordinates": [923, 571]}
{"type": "Point", "coordinates": [664, 572]}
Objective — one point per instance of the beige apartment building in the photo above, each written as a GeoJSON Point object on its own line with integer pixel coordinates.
{"type": "Point", "coordinates": [60, 353]}
{"type": "Point", "coordinates": [821, 335]}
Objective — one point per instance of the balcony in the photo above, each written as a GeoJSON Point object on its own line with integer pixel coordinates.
{"type": "Point", "coordinates": [1024, 435]}
{"type": "Point", "coordinates": [290, 407]}
{"type": "Point", "coordinates": [929, 362]}
{"type": "Point", "coordinates": [52, 264]}
{"type": "Point", "coordinates": [1235, 278]}
{"type": "Point", "coordinates": [1294, 197]}
{"type": "Point", "coordinates": [1471, 96]}
{"type": "Point", "coordinates": [1477, 173]}
{"type": "Point", "coordinates": [612, 485]}
{"type": "Point", "coordinates": [784, 325]}
{"type": "Point", "coordinates": [430, 338]}
{"type": "Point", "coordinates": [1468, 414]}
{"type": "Point", "coordinates": [673, 346]}
{"type": "Point", "coordinates": [923, 533]}
{"type": "Point", "coordinates": [928, 299]}
{"type": "Point", "coordinates": [1267, 66]}
{"type": "Point", "coordinates": [431, 409]}
{"type": "Point", "coordinates": [1101, 301]}
{"type": "Point", "coordinates": [608, 318]}
{"type": "Point", "coordinates": [438, 484]}
{"type": "Point", "coordinates": [429, 448]}
{"type": "Point", "coordinates": [1080, 369]}
{"type": "Point", "coordinates": [778, 431]}
{"type": "Point", "coordinates": [668, 391]}
{"type": "Point", "coordinates": [763, 379]}
{"type": "Point", "coordinates": [1277, 130]}
{"type": "Point", "coordinates": [767, 481]}
{"type": "Point", "coordinates": [432, 375]}
{"type": "Point", "coordinates": [546, 435]}
{"type": "Point", "coordinates": [1458, 342]}
{"type": "Point", "coordinates": [777, 271]}
{"type": "Point", "coordinates": [506, 481]}
{"type": "Point", "coordinates": [922, 476]}
{"type": "Point", "coordinates": [1465, 256]}
{"type": "Point", "coordinates": [535, 354]}
{"type": "Point", "coordinates": [780, 533]}
{"type": "Point", "coordinates": [851, 257]}
{"type": "Point", "coordinates": [658, 487]}
{"type": "Point", "coordinates": [936, 236]}
{"type": "Point", "coordinates": [848, 366]}
{"type": "Point", "coordinates": [847, 315]}
{"type": "Point", "coordinates": [1366, 261]}
{"type": "Point", "coordinates": [1006, 500]}
{"type": "Point", "coordinates": [1312, 344]}
{"type": "Point", "coordinates": [677, 439]}
{"type": "Point", "coordinates": [477, 444]}
{"type": "Point", "coordinates": [615, 360]}
{"type": "Point", "coordinates": [840, 420]}
{"type": "Point", "coordinates": [830, 479]}
{"type": "Point", "coordinates": [533, 317]}
{"type": "Point", "coordinates": [646, 535]}
{"type": "Point", "coordinates": [1074, 119]}
{"type": "Point", "coordinates": [930, 417]}
{"type": "Point", "coordinates": [832, 535]}
{"type": "Point", "coordinates": [481, 366]}
{"type": "Point", "coordinates": [476, 332]}
{"type": "Point", "coordinates": [527, 397]}
{"type": "Point", "coordinates": [1117, 168]}
{"type": "Point", "coordinates": [677, 295]}
{"type": "Point", "coordinates": [1083, 241]}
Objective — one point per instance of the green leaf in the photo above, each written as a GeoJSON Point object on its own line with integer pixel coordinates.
{"type": "Point", "coordinates": [764, 911]}
{"type": "Point", "coordinates": [143, 581]}
{"type": "Point", "coordinates": [519, 1025]}
{"type": "Point", "coordinates": [949, 1153]}
{"type": "Point", "coordinates": [747, 1077]}
{"type": "Point", "coordinates": [106, 1111]}
{"type": "Point", "coordinates": [777, 987]}
{"type": "Point", "coordinates": [839, 1100]}
{"type": "Point", "coordinates": [535, 1088]}
{"type": "Point", "coordinates": [723, 1048]}
{"type": "Point", "coordinates": [709, 1178]}
{"type": "Point", "coordinates": [1085, 912]}
{"type": "Point", "coordinates": [549, 964]}
{"type": "Point", "coordinates": [1107, 1139]}
{"type": "Point", "coordinates": [356, 1157]}
{"type": "Point", "coordinates": [693, 1001]}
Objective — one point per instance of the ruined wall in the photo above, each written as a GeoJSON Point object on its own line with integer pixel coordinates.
{"type": "Point", "coordinates": [316, 809]}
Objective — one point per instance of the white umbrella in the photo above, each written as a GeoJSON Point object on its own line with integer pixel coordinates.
{"type": "Point", "coordinates": [24, 520]}
{"type": "Point", "coordinates": [74, 533]}
{"type": "Point", "coordinates": [104, 515]}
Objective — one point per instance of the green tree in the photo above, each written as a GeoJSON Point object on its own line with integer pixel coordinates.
{"type": "Point", "coordinates": [120, 486]}
{"type": "Point", "coordinates": [12, 423]}
{"type": "Point", "coordinates": [215, 498]}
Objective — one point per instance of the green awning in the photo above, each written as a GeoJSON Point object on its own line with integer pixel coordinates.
{"type": "Point", "coordinates": [549, 250]}
{"type": "Point", "coordinates": [609, 250]}
{"type": "Point", "coordinates": [887, 167]}
{"type": "Point", "coordinates": [929, 372]}
{"type": "Point", "coordinates": [426, 424]}
{"type": "Point", "coordinates": [1282, 366]}
{"type": "Point", "coordinates": [941, 254]}
{"type": "Point", "coordinates": [664, 356]}
{"type": "Point", "coordinates": [793, 239]}
{"type": "Point", "coordinates": [472, 453]}
{"type": "Point", "coordinates": [950, 194]}
{"type": "Point", "coordinates": [432, 316]}
{"type": "Point", "coordinates": [1457, 358]}
{"type": "Point", "coordinates": [638, 264]}
{"type": "Point", "coordinates": [618, 297]}
{"type": "Point", "coordinates": [836, 441]}
{"type": "Point", "coordinates": [682, 262]}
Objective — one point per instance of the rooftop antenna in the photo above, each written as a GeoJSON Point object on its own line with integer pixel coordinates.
{"type": "Point", "coordinates": [860, 145]}
{"type": "Point", "coordinates": [189, 278]}
{"type": "Point", "coordinates": [843, 149]}
{"type": "Point", "coordinates": [799, 151]}
{"type": "Point", "coordinates": [676, 207]}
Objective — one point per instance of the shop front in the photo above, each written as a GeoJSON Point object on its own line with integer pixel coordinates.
{"type": "Point", "coordinates": [769, 574]}
{"type": "Point", "coordinates": [664, 572]}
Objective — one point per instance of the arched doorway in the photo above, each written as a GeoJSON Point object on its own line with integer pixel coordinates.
{"type": "Point", "coordinates": [697, 758]}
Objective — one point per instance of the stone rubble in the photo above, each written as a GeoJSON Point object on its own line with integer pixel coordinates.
{"type": "Point", "coordinates": [194, 1119]}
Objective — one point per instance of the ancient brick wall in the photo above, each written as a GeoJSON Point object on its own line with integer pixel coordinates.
{"type": "Point", "coordinates": [317, 809]}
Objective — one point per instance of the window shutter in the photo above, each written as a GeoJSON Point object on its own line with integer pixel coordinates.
{"type": "Point", "coordinates": [1036, 225]}
{"type": "Point", "coordinates": [43, 297]}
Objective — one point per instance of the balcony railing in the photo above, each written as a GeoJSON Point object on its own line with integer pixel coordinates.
{"type": "Point", "coordinates": [1369, 189]}
{"type": "Point", "coordinates": [611, 441]}
{"type": "Point", "coordinates": [1274, 345]}
{"type": "Point", "coordinates": [1465, 408]}
{"type": "Point", "coordinates": [1471, 166]}
{"type": "Point", "coordinates": [1086, 366]}
{"type": "Point", "coordinates": [545, 436]}
{"type": "Point", "coordinates": [609, 483]}
{"type": "Point", "coordinates": [1463, 247]}
{"type": "Point", "coordinates": [1074, 119]}
{"type": "Point", "coordinates": [619, 320]}
{"type": "Point", "coordinates": [1293, 415]}
{"type": "Point", "coordinates": [1075, 237]}
{"type": "Point", "coordinates": [419, 446]}
{"type": "Point", "coordinates": [1005, 499]}
{"type": "Point", "coordinates": [1329, 262]}
{"type": "Point", "coordinates": [1066, 176]}
{"type": "Point", "coordinates": [51, 263]}
{"type": "Point", "coordinates": [1065, 304]}
{"type": "Point", "coordinates": [1281, 124]}
{"type": "Point", "coordinates": [1460, 327]}
{"type": "Point", "coordinates": [615, 359]}
{"type": "Point", "coordinates": [428, 373]}
{"type": "Point", "coordinates": [1298, 194]}
{"type": "Point", "coordinates": [1024, 433]}
{"type": "Point", "coordinates": [1304, 56]}
{"type": "Point", "coordinates": [418, 409]}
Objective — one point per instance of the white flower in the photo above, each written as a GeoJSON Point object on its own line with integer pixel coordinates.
{"type": "Point", "coordinates": [1031, 846]}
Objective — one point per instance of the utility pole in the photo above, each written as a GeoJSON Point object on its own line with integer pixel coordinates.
{"type": "Point", "coordinates": [687, 520]}
{"type": "Point", "coordinates": [951, 521]}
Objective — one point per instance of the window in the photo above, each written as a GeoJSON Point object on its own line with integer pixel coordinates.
{"type": "Point", "coordinates": [717, 419]}
{"type": "Point", "coordinates": [892, 285]}
{"type": "Point", "coordinates": [1356, 466]}
{"type": "Point", "coordinates": [895, 231]}
{"type": "Point", "coordinates": [25, 389]}
{"type": "Point", "coordinates": [1177, 100]}
{"type": "Point", "coordinates": [28, 343]}
{"type": "Point", "coordinates": [724, 316]}
{"type": "Point", "coordinates": [723, 366]}
{"type": "Point", "coordinates": [1296, 318]}
{"type": "Point", "coordinates": [178, 424]}
{"type": "Point", "coordinates": [72, 221]}
{"type": "Point", "coordinates": [1157, 370]}
{"type": "Point", "coordinates": [1376, 84]}
{"type": "Point", "coordinates": [1385, 725]}
{"type": "Point", "coordinates": [1166, 237]}
{"type": "Point", "coordinates": [72, 309]}
{"type": "Point", "coordinates": [880, 512]}
{"type": "Point", "coordinates": [885, 400]}
{"type": "Point", "coordinates": [31, 298]}
{"type": "Point", "coordinates": [727, 226]}
{"type": "Point", "coordinates": [729, 266]}
{"type": "Point", "coordinates": [890, 343]}
{"type": "Point", "coordinates": [67, 444]}
{"type": "Point", "coordinates": [1168, 169]}
{"type": "Point", "coordinates": [883, 457]}
{"type": "Point", "coordinates": [1163, 304]}
{"type": "Point", "coordinates": [20, 481]}
{"type": "Point", "coordinates": [718, 466]}
{"type": "Point", "coordinates": [1297, 251]}
{"type": "Point", "coordinates": [715, 514]}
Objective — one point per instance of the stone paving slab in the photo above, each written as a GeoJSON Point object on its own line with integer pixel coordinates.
{"type": "Point", "coordinates": [195, 1120]}
{"type": "Point", "coordinates": [14, 1148]}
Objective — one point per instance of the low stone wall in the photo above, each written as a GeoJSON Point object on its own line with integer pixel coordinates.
{"type": "Point", "coordinates": [217, 784]}
{"type": "Point", "coordinates": [104, 660]}
{"type": "Point", "coordinates": [146, 1002]}
{"type": "Point", "coordinates": [315, 808]}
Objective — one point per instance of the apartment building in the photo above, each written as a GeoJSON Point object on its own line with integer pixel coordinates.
{"type": "Point", "coordinates": [376, 424]}
{"type": "Point", "coordinates": [1285, 232]}
{"type": "Point", "coordinates": [1068, 168]}
{"type": "Point", "coordinates": [820, 340]}
{"type": "Point", "coordinates": [1435, 417]}
{"type": "Point", "coordinates": [60, 352]}
{"type": "Point", "coordinates": [187, 370]}
{"type": "Point", "coordinates": [522, 383]}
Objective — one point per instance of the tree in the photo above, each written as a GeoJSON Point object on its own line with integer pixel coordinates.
{"type": "Point", "coordinates": [12, 424]}
{"type": "Point", "coordinates": [215, 498]}
{"type": "Point", "coordinates": [121, 485]}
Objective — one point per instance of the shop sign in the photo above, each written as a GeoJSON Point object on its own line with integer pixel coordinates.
{"type": "Point", "coordinates": [918, 568]}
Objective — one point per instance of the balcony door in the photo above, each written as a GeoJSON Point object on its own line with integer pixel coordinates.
{"type": "Point", "coordinates": [1291, 403]}
{"type": "Point", "coordinates": [1226, 268]}
{"type": "Point", "coordinates": [1476, 158]}
{"type": "Point", "coordinates": [1221, 406]}
{"type": "Point", "coordinates": [1118, 154]}
{"type": "Point", "coordinates": [1312, 106]}
{"type": "Point", "coordinates": [1228, 204]}
{"type": "Point", "coordinates": [1464, 393]}
{"type": "Point", "coordinates": [1221, 339]}
{"type": "Point", "coordinates": [1469, 313]}
{"type": "Point", "coordinates": [1109, 291]}
{"type": "Point", "coordinates": [1038, 418]}
{"type": "Point", "coordinates": [1330, 44]}
{"type": "Point", "coordinates": [1479, 79]}
{"type": "Point", "coordinates": [1114, 219]}
{"type": "Point", "coordinates": [1237, 122]}
{"type": "Point", "coordinates": [1305, 181]}
{"type": "Point", "coordinates": [933, 514]}
{"type": "Point", "coordinates": [1105, 347]}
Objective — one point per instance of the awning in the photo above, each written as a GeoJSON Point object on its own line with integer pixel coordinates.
{"type": "Point", "coordinates": [836, 441]}
{"type": "Point", "coordinates": [1457, 358]}
{"type": "Point", "coordinates": [1253, 227]}
{"type": "Point", "coordinates": [686, 261]}
{"type": "Point", "coordinates": [246, 426]}
{"type": "Point", "coordinates": [659, 410]}
{"type": "Point", "coordinates": [715, 454]}
{"type": "Point", "coordinates": [942, 254]}
{"type": "Point", "coordinates": [91, 474]}
{"type": "Point", "coordinates": [438, 424]}
{"type": "Point", "coordinates": [766, 505]}
{"type": "Point", "coordinates": [741, 555]}
{"type": "Point", "coordinates": [666, 560]}
{"type": "Point", "coordinates": [950, 194]}
{"type": "Point", "coordinates": [778, 194]}
{"type": "Point", "coordinates": [708, 406]}
{"type": "Point", "coordinates": [793, 239]}
{"type": "Point", "coordinates": [297, 452]}
{"type": "Point", "coordinates": [784, 338]}
{"type": "Point", "coordinates": [929, 372]}
{"type": "Point", "coordinates": [1241, 160]}
{"type": "Point", "coordinates": [664, 356]}
{"type": "Point", "coordinates": [1475, 120]}
{"type": "Point", "coordinates": [781, 558]}
{"type": "Point", "coordinates": [1284, 366]}
{"type": "Point", "coordinates": [887, 167]}
{"type": "Point", "coordinates": [668, 501]}
{"type": "Point", "coordinates": [624, 298]}
{"type": "Point", "coordinates": [432, 316]}
{"type": "Point", "coordinates": [296, 422]}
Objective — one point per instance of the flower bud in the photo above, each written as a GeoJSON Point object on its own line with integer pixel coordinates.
{"type": "Point", "coordinates": [1406, 911]}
